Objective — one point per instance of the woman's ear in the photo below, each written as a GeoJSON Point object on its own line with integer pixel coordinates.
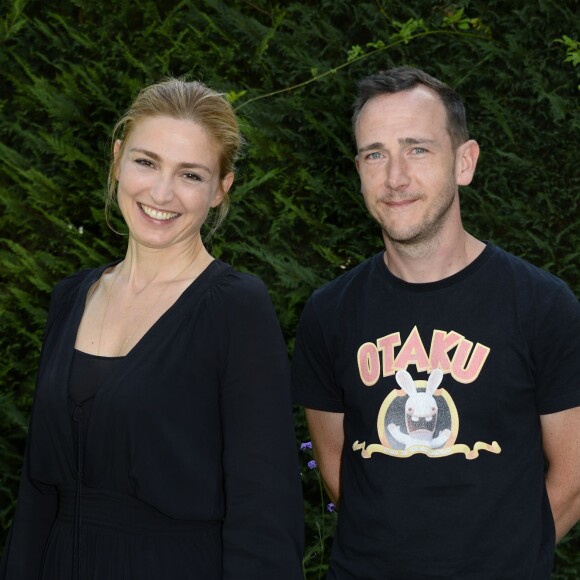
{"type": "Point", "coordinates": [466, 162]}
{"type": "Point", "coordinates": [221, 193]}
{"type": "Point", "coordinates": [116, 153]}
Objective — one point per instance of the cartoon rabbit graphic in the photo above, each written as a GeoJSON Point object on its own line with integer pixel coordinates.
{"type": "Point", "coordinates": [420, 413]}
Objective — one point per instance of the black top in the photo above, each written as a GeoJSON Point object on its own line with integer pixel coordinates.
{"type": "Point", "coordinates": [88, 372]}
{"type": "Point", "coordinates": [190, 468]}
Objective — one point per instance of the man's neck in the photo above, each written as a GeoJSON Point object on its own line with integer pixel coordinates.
{"type": "Point", "coordinates": [433, 261]}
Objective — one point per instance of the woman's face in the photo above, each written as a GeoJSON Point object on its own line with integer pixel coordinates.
{"type": "Point", "coordinates": [169, 177]}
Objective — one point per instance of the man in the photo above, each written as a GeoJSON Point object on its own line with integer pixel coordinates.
{"type": "Point", "coordinates": [441, 377]}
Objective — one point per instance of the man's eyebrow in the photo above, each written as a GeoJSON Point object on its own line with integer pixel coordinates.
{"type": "Point", "coordinates": [402, 142]}
{"type": "Point", "coordinates": [415, 141]}
{"type": "Point", "coordinates": [183, 165]}
{"type": "Point", "coordinates": [370, 147]}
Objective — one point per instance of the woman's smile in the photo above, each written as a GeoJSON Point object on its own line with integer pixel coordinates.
{"type": "Point", "coordinates": [157, 214]}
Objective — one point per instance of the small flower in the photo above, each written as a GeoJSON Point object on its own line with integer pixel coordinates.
{"type": "Point", "coordinates": [312, 464]}
{"type": "Point", "coordinates": [305, 445]}
{"type": "Point", "coordinates": [331, 507]}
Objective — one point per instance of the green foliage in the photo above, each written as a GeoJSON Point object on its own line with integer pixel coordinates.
{"type": "Point", "coordinates": [572, 49]}
{"type": "Point", "coordinates": [68, 70]}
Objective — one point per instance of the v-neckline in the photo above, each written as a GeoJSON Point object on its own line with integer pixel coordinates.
{"type": "Point", "coordinates": [196, 282]}
{"type": "Point", "coordinates": [107, 390]}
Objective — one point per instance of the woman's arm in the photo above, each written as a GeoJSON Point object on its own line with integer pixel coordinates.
{"type": "Point", "coordinates": [264, 526]}
{"type": "Point", "coordinates": [35, 513]}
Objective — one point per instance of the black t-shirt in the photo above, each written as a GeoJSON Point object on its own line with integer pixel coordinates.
{"type": "Point", "coordinates": [442, 472]}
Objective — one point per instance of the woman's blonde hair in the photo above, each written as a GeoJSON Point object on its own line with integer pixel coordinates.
{"type": "Point", "coordinates": [190, 101]}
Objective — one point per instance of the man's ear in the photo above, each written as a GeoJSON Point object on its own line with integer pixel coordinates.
{"type": "Point", "coordinates": [466, 162]}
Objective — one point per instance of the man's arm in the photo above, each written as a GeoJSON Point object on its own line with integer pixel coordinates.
{"type": "Point", "coordinates": [561, 437]}
{"type": "Point", "coordinates": [327, 433]}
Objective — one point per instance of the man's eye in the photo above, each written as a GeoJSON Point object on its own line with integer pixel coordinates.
{"type": "Point", "coordinates": [374, 155]}
{"type": "Point", "coordinates": [419, 150]}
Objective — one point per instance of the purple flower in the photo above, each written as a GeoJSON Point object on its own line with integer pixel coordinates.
{"type": "Point", "coordinates": [331, 507]}
{"type": "Point", "coordinates": [305, 445]}
{"type": "Point", "coordinates": [312, 464]}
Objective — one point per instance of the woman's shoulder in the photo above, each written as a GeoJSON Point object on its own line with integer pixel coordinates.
{"type": "Point", "coordinates": [231, 280]}
{"type": "Point", "coordinates": [80, 280]}
{"type": "Point", "coordinates": [237, 291]}
{"type": "Point", "coordinates": [74, 279]}
{"type": "Point", "coordinates": [82, 275]}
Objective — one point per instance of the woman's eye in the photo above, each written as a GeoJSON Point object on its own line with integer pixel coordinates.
{"type": "Point", "coordinates": [192, 176]}
{"type": "Point", "coordinates": [144, 162]}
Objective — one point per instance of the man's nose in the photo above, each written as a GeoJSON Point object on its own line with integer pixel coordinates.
{"type": "Point", "coordinates": [397, 173]}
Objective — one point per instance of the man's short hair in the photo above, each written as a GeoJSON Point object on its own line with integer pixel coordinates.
{"type": "Point", "coordinates": [404, 78]}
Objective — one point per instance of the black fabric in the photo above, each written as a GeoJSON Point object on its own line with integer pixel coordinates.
{"type": "Point", "coordinates": [88, 373]}
{"type": "Point", "coordinates": [190, 467]}
{"type": "Point", "coordinates": [465, 498]}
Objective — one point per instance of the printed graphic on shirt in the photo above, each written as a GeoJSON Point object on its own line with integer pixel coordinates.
{"type": "Point", "coordinates": [419, 417]}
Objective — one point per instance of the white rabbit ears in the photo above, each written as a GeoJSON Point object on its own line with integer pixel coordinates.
{"type": "Point", "coordinates": [434, 380]}
{"type": "Point", "coordinates": [406, 382]}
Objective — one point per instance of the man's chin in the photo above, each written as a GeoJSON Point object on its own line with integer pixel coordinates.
{"type": "Point", "coordinates": [403, 238]}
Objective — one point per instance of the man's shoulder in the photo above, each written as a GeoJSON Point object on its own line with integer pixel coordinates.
{"type": "Point", "coordinates": [348, 283]}
{"type": "Point", "coordinates": [525, 272]}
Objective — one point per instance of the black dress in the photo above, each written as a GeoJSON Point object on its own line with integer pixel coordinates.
{"type": "Point", "coordinates": [187, 461]}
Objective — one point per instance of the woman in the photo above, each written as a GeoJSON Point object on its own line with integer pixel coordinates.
{"type": "Point", "coordinates": [161, 443]}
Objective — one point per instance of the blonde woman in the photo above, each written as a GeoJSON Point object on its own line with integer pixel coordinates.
{"type": "Point", "coordinates": [161, 443]}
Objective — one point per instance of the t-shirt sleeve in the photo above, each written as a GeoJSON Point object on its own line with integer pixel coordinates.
{"type": "Point", "coordinates": [263, 533]}
{"type": "Point", "coordinates": [556, 352]}
{"type": "Point", "coordinates": [313, 376]}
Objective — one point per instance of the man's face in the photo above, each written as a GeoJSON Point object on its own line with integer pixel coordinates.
{"type": "Point", "coordinates": [407, 165]}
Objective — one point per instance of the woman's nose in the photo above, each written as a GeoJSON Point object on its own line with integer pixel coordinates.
{"type": "Point", "coordinates": [162, 189]}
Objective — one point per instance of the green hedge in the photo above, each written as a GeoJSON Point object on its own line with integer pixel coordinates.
{"type": "Point", "coordinates": [68, 69]}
